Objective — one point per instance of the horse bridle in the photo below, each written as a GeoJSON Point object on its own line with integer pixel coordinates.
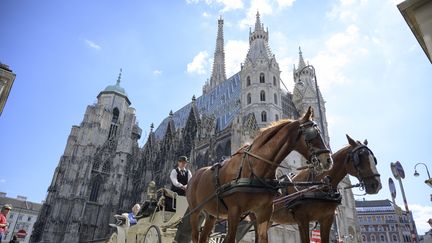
{"type": "Point", "coordinates": [355, 156]}
{"type": "Point", "coordinates": [311, 131]}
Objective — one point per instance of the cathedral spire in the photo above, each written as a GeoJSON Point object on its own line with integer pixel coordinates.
{"type": "Point", "coordinates": [218, 73]}
{"type": "Point", "coordinates": [119, 77]}
{"type": "Point", "coordinates": [258, 25]}
{"type": "Point", "coordinates": [301, 60]}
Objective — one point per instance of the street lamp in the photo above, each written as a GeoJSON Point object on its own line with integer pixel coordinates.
{"type": "Point", "coordinates": [317, 93]}
{"type": "Point", "coordinates": [416, 174]}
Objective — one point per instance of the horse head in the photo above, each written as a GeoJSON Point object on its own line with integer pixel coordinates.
{"type": "Point", "coordinates": [361, 163]}
{"type": "Point", "coordinates": [312, 145]}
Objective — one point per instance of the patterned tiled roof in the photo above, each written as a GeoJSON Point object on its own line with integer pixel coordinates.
{"type": "Point", "coordinates": [223, 102]}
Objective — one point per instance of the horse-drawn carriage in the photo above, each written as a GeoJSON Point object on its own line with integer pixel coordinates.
{"type": "Point", "coordinates": [159, 222]}
{"type": "Point", "coordinates": [246, 184]}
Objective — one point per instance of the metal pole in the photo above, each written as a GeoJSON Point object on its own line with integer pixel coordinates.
{"type": "Point", "coordinates": [415, 168]}
{"type": "Point", "coordinates": [413, 237]}
{"type": "Point", "coordinates": [399, 225]}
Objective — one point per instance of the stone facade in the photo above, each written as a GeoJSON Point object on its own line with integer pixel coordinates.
{"type": "Point", "coordinates": [7, 78]}
{"type": "Point", "coordinates": [94, 178]}
{"type": "Point", "coordinates": [83, 195]}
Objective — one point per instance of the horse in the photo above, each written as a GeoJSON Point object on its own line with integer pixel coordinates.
{"type": "Point", "coordinates": [256, 162]}
{"type": "Point", "coordinates": [355, 159]}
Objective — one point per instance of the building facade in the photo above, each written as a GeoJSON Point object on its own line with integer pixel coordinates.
{"type": "Point", "coordinates": [383, 221]}
{"type": "Point", "coordinates": [94, 178]}
{"type": "Point", "coordinates": [21, 218]}
{"type": "Point", "coordinates": [7, 78]}
{"type": "Point", "coordinates": [103, 170]}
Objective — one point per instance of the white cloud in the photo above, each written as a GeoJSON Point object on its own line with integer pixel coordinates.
{"type": "Point", "coordinates": [421, 215]}
{"type": "Point", "coordinates": [157, 72]}
{"type": "Point", "coordinates": [228, 5]}
{"type": "Point", "coordinates": [341, 49]}
{"type": "Point", "coordinates": [231, 4]}
{"type": "Point", "coordinates": [199, 64]}
{"type": "Point", "coordinates": [263, 6]}
{"type": "Point", "coordinates": [206, 14]}
{"type": "Point", "coordinates": [286, 68]}
{"type": "Point", "coordinates": [235, 52]}
{"type": "Point", "coordinates": [92, 44]}
{"type": "Point", "coordinates": [285, 3]}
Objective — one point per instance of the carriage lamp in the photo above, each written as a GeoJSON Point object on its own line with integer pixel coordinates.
{"type": "Point", "coordinates": [151, 190]}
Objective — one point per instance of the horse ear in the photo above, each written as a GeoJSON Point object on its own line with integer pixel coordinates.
{"type": "Point", "coordinates": [308, 115]}
{"type": "Point", "coordinates": [351, 141]}
{"type": "Point", "coordinates": [365, 142]}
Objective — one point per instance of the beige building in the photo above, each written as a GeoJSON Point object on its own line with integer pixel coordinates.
{"type": "Point", "coordinates": [418, 15]}
{"type": "Point", "coordinates": [7, 78]}
{"type": "Point", "coordinates": [22, 216]}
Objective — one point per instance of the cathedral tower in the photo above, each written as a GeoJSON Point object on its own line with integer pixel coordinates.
{"type": "Point", "coordinates": [260, 79]}
{"type": "Point", "coordinates": [218, 71]}
{"type": "Point", "coordinates": [93, 179]}
{"type": "Point", "coordinates": [307, 93]}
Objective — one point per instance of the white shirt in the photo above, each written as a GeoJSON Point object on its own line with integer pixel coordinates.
{"type": "Point", "coordinates": [173, 177]}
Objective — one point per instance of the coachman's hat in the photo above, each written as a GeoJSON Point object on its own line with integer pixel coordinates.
{"type": "Point", "coordinates": [183, 158]}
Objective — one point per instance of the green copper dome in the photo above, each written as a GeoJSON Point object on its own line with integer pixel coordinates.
{"type": "Point", "coordinates": [116, 89]}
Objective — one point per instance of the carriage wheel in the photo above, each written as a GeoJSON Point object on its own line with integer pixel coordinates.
{"type": "Point", "coordinates": [153, 235]}
{"type": "Point", "coordinates": [217, 238]}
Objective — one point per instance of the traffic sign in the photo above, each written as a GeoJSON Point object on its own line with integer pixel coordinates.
{"type": "Point", "coordinates": [21, 233]}
{"type": "Point", "coordinates": [392, 188]}
{"type": "Point", "coordinates": [400, 169]}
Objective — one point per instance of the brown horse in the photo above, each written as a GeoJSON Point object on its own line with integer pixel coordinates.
{"type": "Point", "coordinates": [355, 159]}
{"type": "Point", "coordinates": [259, 161]}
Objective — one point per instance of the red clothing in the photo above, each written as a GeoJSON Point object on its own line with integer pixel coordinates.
{"type": "Point", "coordinates": [2, 221]}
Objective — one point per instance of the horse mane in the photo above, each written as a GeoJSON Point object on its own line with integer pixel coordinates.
{"type": "Point", "coordinates": [268, 132]}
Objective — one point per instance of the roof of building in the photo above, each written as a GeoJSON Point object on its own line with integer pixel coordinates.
{"type": "Point", "coordinates": [116, 88]}
{"type": "Point", "coordinates": [373, 203]}
{"type": "Point", "coordinates": [222, 102]}
{"type": "Point", "coordinates": [20, 204]}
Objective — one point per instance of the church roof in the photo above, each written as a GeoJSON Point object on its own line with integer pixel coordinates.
{"type": "Point", "coordinates": [116, 88]}
{"type": "Point", "coordinates": [221, 102]}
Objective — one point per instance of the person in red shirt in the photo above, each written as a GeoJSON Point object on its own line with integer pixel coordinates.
{"type": "Point", "coordinates": [3, 220]}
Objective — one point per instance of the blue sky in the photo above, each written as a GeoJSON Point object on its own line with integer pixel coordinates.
{"type": "Point", "coordinates": [374, 76]}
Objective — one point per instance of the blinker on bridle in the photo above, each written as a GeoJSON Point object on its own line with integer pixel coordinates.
{"type": "Point", "coordinates": [355, 155]}
{"type": "Point", "coordinates": [310, 131]}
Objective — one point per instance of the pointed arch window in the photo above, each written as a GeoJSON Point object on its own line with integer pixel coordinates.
{"type": "Point", "coordinates": [275, 98]}
{"type": "Point", "coordinates": [262, 95]}
{"type": "Point", "coordinates": [262, 78]}
{"type": "Point", "coordinates": [106, 167]}
{"type": "Point", "coordinates": [96, 163]}
{"type": "Point", "coordinates": [264, 116]}
{"type": "Point", "coordinates": [95, 188]}
{"type": "Point", "coordinates": [276, 117]}
{"type": "Point", "coordinates": [248, 81]}
{"type": "Point", "coordinates": [114, 124]}
{"type": "Point", "coordinates": [249, 99]}
{"type": "Point", "coordinates": [115, 115]}
{"type": "Point", "coordinates": [274, 80]}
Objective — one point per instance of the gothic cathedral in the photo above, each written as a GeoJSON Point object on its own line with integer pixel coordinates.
{"type": "Point", "coordinates": [103, 171]}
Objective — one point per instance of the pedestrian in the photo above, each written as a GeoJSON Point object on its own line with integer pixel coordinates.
{"type": "Point", "coordinates": [14, 240]}
{"type": "Point", "coordinates": [3, 220]}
